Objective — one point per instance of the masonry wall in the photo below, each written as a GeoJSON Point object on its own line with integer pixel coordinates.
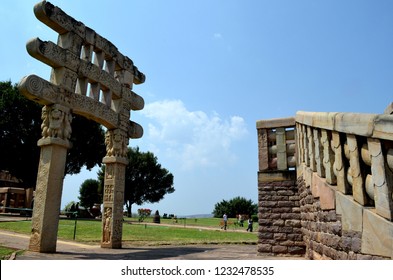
{"type": "Point", "coordinates": [279, 214]}
{"type": "Point", "coordinates": [335, 227]}
{"type": "Point", "coordinates": [308, 217]}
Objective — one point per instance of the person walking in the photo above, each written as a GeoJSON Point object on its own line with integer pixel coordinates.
{"type": "Point", "coordinates": [249, 228]}
{"type": "Point", "coordinates": [225, 219]}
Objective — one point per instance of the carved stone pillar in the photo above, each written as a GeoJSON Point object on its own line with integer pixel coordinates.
{"type": "Point", "coordinates": [115, 168]}
{"type": "Point", "coordinates": [56, 130]}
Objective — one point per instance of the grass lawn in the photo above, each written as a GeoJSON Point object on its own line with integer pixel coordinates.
{"type": "Point", "coordinates": [146, 233]}
{"type": "Point", "coordinates": [5, 252]}
{"type": "Point", "coordinates": [197, 222]}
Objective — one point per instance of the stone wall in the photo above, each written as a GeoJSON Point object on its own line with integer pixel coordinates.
{"type": "Point", "coordinates": [335, 231]}
{"type": "Point", "coordinates": [279, 214]}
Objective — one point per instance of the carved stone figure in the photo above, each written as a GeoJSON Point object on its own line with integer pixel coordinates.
{"type": "Point", "coordinates": [56, 122]}
{"type": "Point", "coordinates": [107, 225]}
{"type": "Point", "coordinates": [116, 143]}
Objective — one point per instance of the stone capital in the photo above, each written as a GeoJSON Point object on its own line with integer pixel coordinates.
{"type": "Point", "coordinates": [54, 141]}
{"type": "Point", "coordinates": [113, 159]}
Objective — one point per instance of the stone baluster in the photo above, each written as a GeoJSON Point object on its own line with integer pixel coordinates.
{"type": "Point", "coordinates": [339, 165]}
{"type": "Point", "coordinates": [300, 144]}
{"type": "Point", "coordinates": [311, 149]}
{"type": "Point", "coordinates": [263, 153]}
{"type": "Point", "coordinates": [282, 163]}
{"type": "Point", "coordinates": [355, 172]}
{"type": "Point", "coordinates": [318, 154]}
{"type": "Point", "coordinates": [306, 146]}
{"type": "Point", "coordinates": [382, 179]}
{"type": "Point", "coordinates": [328, 157]}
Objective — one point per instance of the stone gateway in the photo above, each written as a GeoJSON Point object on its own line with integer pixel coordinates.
{"type": "Point", "coordinates": [89, 77]}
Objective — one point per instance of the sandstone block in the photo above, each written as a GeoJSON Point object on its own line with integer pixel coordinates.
{"type": "Point", "coordinates": [278, 249]}
{"type": "Point", "coordinates": [377, 238]}
{"type": "Point", "coordinates": [356, 124]}
{"type": "Point", "coordinates": [383, 127]}
{"type": "Point", "coordinates": [293, 223]}
{"type": "Point", "coordinates": [351, 213]}
{"type": "Point", "coordinates": [280, 236]}
{"type": "Point", "coordinates": [324, 191]}
{"type": "Point", "coordinates": [264, 248]}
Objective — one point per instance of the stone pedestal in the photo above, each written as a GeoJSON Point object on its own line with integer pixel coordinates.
{"type": "Point", "coordinates": [47, 201]}
{"type": "Point", "coordinates": [113, 200]}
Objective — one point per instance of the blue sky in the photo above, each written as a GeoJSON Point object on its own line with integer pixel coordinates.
{"type": "Point", "coordinates": [213, 68]}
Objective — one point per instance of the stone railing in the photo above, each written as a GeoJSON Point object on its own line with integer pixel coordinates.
{"type": "Point", "coordinates": [325, 186]}
{"type": "Point", "coordinates": [276, 144]}
{"type": "Point", "coordinates": [353, 152]}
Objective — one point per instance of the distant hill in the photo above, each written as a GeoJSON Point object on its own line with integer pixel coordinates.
{"type": "Point", "coordinates": [197, 216]}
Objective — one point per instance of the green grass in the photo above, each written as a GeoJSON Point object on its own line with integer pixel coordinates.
{"type": "Point", "coordinates": [201, 222]}
{"type": "Point", "coordinates": [146, 234]}
{"type": "Point", "coordinates": [5, 253]}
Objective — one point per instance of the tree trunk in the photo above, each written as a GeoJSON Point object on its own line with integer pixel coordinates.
{"type": "Point", "coordinates": [129, 213]}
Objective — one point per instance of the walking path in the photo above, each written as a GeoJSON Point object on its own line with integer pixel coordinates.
{"type": "Point", "coordinates": [68, 250]}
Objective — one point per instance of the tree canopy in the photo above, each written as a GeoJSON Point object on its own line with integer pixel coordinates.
{"type": "Point", "coordinates": [235, 206]}
{"type": "Point", "coordinates": [146, 180]}
{"type": "Point", "coordinates": [89, 193]}
{"type": "Point", "coordinates": [20, 129]}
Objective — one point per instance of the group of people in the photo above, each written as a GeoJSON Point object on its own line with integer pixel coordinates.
{"type": "Point", "coordinates": [240, 221]}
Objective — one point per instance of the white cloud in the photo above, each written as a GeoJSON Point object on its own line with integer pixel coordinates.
{"type": "Point", "coordinates": [217, 36]}
{"type": "Point", "coordinates": [194, 138]}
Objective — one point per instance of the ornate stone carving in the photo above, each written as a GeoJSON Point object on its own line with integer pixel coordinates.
{"type": "Point", "coordinates": [116, 143]}
{"type": "Point", "coordinates": [108, 193]}
{"type": "Point", "coordinates": [107, 226]}
{"type": "Point", "coordinates": [109, 102]}
{"type": "Point", "coordinates": [56, 122]}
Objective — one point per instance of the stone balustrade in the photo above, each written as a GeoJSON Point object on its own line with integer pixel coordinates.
{"type": "Point", "coordinates": [351, 151]}
{"type": "Point", "coordinates": [276, 142]}
{"type": "Point", "coordinates": [330, 196]}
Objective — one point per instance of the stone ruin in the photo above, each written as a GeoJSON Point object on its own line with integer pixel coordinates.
{"type": "Point", "coordinates": [89, 77]}
{"type": "Point", "coordinates": [325, 185]}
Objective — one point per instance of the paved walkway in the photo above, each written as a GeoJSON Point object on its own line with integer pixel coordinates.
{"type": "Point", "coordinates": [68, 250]}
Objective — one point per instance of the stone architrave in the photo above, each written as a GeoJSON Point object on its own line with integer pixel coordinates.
{"type": "Point", "coordinates": [89, 77]}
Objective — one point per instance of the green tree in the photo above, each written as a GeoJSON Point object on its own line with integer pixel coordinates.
{"type": "Point", "coordinates": [146, 179]}
{"type": "Point", "coordinates": [20, 129]}
{"type": "Point", "coordinates": [235, 206]}
{"type": "Point", "coordinates": [89, 193]}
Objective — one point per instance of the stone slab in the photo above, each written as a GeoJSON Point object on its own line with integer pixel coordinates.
{"type": "Point", "coordinates": [316, 183]}
{"type": "Point", "coordinates": [351, 212]}
{"type": "Point", "coordinates": [308, 176]}
{"type": "Point", "coordinates": [383, 128]}
{"type": "Point", "coordinates": [357, 124]}
{"type": "Point", "coordinates": [277, 176]}
{"type": "Point", "coordinates": [326, 193]}
{"type": "Point", "coordinates": [377, 238]}
{"type": "Point", "coordinates": [275, 123]}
